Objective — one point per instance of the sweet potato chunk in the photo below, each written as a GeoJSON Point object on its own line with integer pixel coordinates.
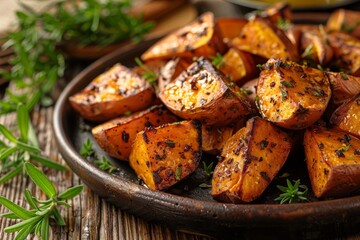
{"type": "Point", "coordinates": [333, 162]}
{"type": "Point", "coordinates": [111, 94]}
{"type": "Point", "coordinates": [170, 71]}
{"type": "Point", "coordinates": [214, 138]}
{"type": "Point", "coordinates": [261, 37]}
{"type": "Point", "coordinates": [249, 88]}
{"type": "Point", "coordinates": [238, 66]}
{"type": "Point", "coordinates": [343, 86]}
{"type": "Point", "coordinates": [116, 136]}
{"type": "Point", "coordinates": [277, 13]}
{"type": "Point", "coordinates": [315, 47]}
{"type": "Point", "coordinates": [345, 20]}
{"type": "Point", "coordinates": [291, 95]}
{"type": "Point", "coordinates": [201, 93]}
{"type": "Point", "coordinates": [230, 28]}
{"type": "Point", "coordinates": [347, 116]}
{"type": "Point", "coordinates": [165, 155]}
{"type": "Point", "coordinates": [249, 161]}
{"type": "Point", "coordinates": [199, 38]}
{"type": "Point", "coordinates": [347, 51]}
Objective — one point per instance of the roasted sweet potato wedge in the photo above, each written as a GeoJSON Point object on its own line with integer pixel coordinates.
{"type": "Point", "coordinates": [333, 162]}
{"type": "Point", "coordinates": [277, 13]}
{"type": "Point", "coordinates": [291, 95]}
{"type": "Point", "coordinates": [201, 93]}
{"type": "Point", "coordinates": [238, 66]}
{"type": "Point", "coordinates": [347, 116]}
{"type": "Point", "coordinates": [214, 138]}
{"type": "Point", "coordinates": [343, 86]}
{"type": "Point", "coordinates": [261, 37]}
{"type": "Point", "coordinates": [315, 47]}
{"type": "Point", "coordinates": [249, 161]}
{"type": "Point", "coordinates": [116, 136]}
{"type": "Point", "coordinates": [200, 38]}
{"type": "Point", "coordinates": [171, 70]}
{"type": "Point", "coordinates": [165, 155]}
{"type": "Point", "coordinates": [346, 50]}
{"type": "Point", "coordinates": [345, 20]}
{"type": "Point", "coordinates": [111, 94]}
{"type": "Point", "coordinates": [230, 28]}
{"type": "Point", "coordinates": [249, 88]}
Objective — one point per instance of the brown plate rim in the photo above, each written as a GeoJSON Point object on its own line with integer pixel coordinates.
{"type": "Point", "coordinates": [177, 211]}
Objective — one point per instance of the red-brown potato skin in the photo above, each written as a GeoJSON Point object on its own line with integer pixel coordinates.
{"type": "Point", "coordinates": [111, 94]}
{"type": "Point", "coordinates": [165, 155]}
{"type": "Point", "coordinates": [201, 93]}
{"type": "Point", "coordinates": [116, 136]}
{"type": "Point", "coordinates": [291, 95]}
{"type": "Point", "coordinates": [345, 20]}
{"type": "Point", "coordinates": [200, 38]}
{"type": "Point", "coordinates": [343, 86]}
{"type": "Point", "coordinates": [347, 117]}
{"type": "Point", "coordinates": [261, 37]}
{"type": "Point", "coordinates": [230, 28]}
{"type": "Point", "coordinates": [250, 160]}
{"type": "Point", "coordinates": [333, 162]}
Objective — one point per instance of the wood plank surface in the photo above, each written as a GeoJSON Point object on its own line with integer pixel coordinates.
{"type": "Point", "coordinates": [90, 217]}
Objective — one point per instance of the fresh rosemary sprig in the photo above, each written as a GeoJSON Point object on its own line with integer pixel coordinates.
{"type": "Point", "coordinates": [37, 219]}
{"type": "Point", "coordinates": [148, 74]}
{"type": "Point", "coordinates": [22, 149]}
{"type": "Point", "coordinates": [292, 193]}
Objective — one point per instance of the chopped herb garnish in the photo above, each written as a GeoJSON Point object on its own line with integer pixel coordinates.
{"type": "Point", "coordinates": [205, 185]}
{"type": "Point", "coordinates": [260, 66]}
{"type": "Point", "coordinates": [148, 74]}
{"type": "Point", "coordinates": [170, 143]}
{"type": "Point", "coordinates": [283, 24]}
{"type": "Point", "coordinates": [286, 84]}
{"type": "Point", "coordinates": [178, 172]}
{"type": "Point", "coordinates": [292, 193]}
{"type": "Point", "coordinates": [87, 149]}
{"type": "Point", "coordinates": [344, 76]}
{"type": "Point", "coordinates": [263, 144]}
{"type": "Point", "coordinates": [208, 169]}
{"type": "Point", "coordinates": [127, 113]}
{"type": "Point", "coordinates": [308, 52]}
{"type": "Point", "coordinates": [246, 91]}
{"type": "Point", "coordinates": [283, 93]}
{"type": "Point", "coordinates": [218, 61]}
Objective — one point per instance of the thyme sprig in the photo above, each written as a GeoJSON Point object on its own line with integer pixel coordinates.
{"type": "Point", "coordinates": [292, 193]}
{"type": "Point", "coordinates": [218, 60]}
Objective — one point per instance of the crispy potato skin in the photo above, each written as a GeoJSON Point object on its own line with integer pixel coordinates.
{"type": "Point", "coordinates": [261, 37]}
{"type": "Point", "coordinates": [214, 138]}
{"type": "Point", "coordinates": [249, 161]}
{"type": "Point", "coordinates": [346, 20]}
{"type": "Point", "coordinates": [200, 93]}
{"type": "Point", "coordinates": [238, 66]}
{"type": "Point", "coordinates": [292, 96]}
{"type": "Point", "coordinates": [347, 49]}
{"type": "Point", "coordinates": [333, 162]}
{"type": "Point", "coordinates": [200, 38]}
{"type": "Point", "coordinates": [111, 94]}
{"type": "Point", "coordinates": [165, 155]}
{"type": "Point", "coordinates": [277, 12]}
{"type": "Point", "coordinates": [343, 86]}
{"type": "Point", "coordinates": [347, 116]}
{"type": "Point", "coordinates": [116, 136]}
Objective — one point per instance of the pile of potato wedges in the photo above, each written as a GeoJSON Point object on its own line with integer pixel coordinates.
{"type": "Point", "coordinates": [240, 89]}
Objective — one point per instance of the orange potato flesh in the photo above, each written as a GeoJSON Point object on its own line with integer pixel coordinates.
{"type": "Point", "coordinates": [314, 46]}
{"type": "Point", "coordinates": [170, 71]}
{"type": "Point", "coordinates": [347, 116]}
{"type": "Point", "coordinates": [214, 138]}
{"type": "Point", "coordinates": [230, 28]}
{"type": "Point", "coordinates": [167, 154]}
{"type": "Point", "coordinates": [343, 86]}
{"type": "Point", "coordinates": [111, 94]}
{"type": "Point", "coordinates": [292, 96]}
{"type": "Point", "coordinates": [116, 136]}
{"type": "Point", "coordinates": [199, 38]}
{"type": "Point", "coordinates": [346, 49]}
{"type": "Point", "coordinates": [200, 93]}
{"type": "Point", "coordinates": [249, 161]}
{"type": "Point", "coordinates": [238, 66]}
{"type": "Point", "coordinates": [333, 162]}
{"type": "Point", "coordinates": [261, 37]}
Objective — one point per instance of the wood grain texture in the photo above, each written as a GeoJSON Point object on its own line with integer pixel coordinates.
{"type": "Point", "coordinates": [90, 217]}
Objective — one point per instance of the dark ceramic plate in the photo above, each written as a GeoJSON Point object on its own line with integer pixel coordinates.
{"type": "Point", "coordinates": [186, 206]}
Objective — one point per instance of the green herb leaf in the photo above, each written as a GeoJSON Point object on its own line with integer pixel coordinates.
{"type": "Point", "coordinates": [208, 169]}
{"type": "Point", "coordinates": [9, 215]}
{"type": "Point", "coordinates": [178, 172]}
{"type": "Point", "coordinates": [23, 121]}
{"type": "Point", "coordinates": [218, 61]}
{"type": "Point", "coordinates": [16, 209]}
{"type": "Point", "coordinates": [11, 174]}
{"type": "Point", "coordinates": [24, 232]}
{"type": "Point", "coordinates": [47, 162]}
{"type": "Point", "coordinates": [29, 199]}
{"type": "Point", "coordinates": [71, 192]}
{"type": "Point", "coordinates": [44, 230]}
{"type": "Point", "coordinates": [58, 218]}
{"type": "Point", "coordinates": [344, 76]}
{"type": "Point", "coordinates": [7, 134]}
{"type": "Point", "coordinates": [40, 180]}
{"type": "Point", "coordinates": [292, 193]}
{"type": "Point", "coordinates": [23, 224]}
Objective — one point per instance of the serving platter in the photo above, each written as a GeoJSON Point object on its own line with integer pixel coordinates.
{"type": "Point", "coordinates": [187, 206]}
